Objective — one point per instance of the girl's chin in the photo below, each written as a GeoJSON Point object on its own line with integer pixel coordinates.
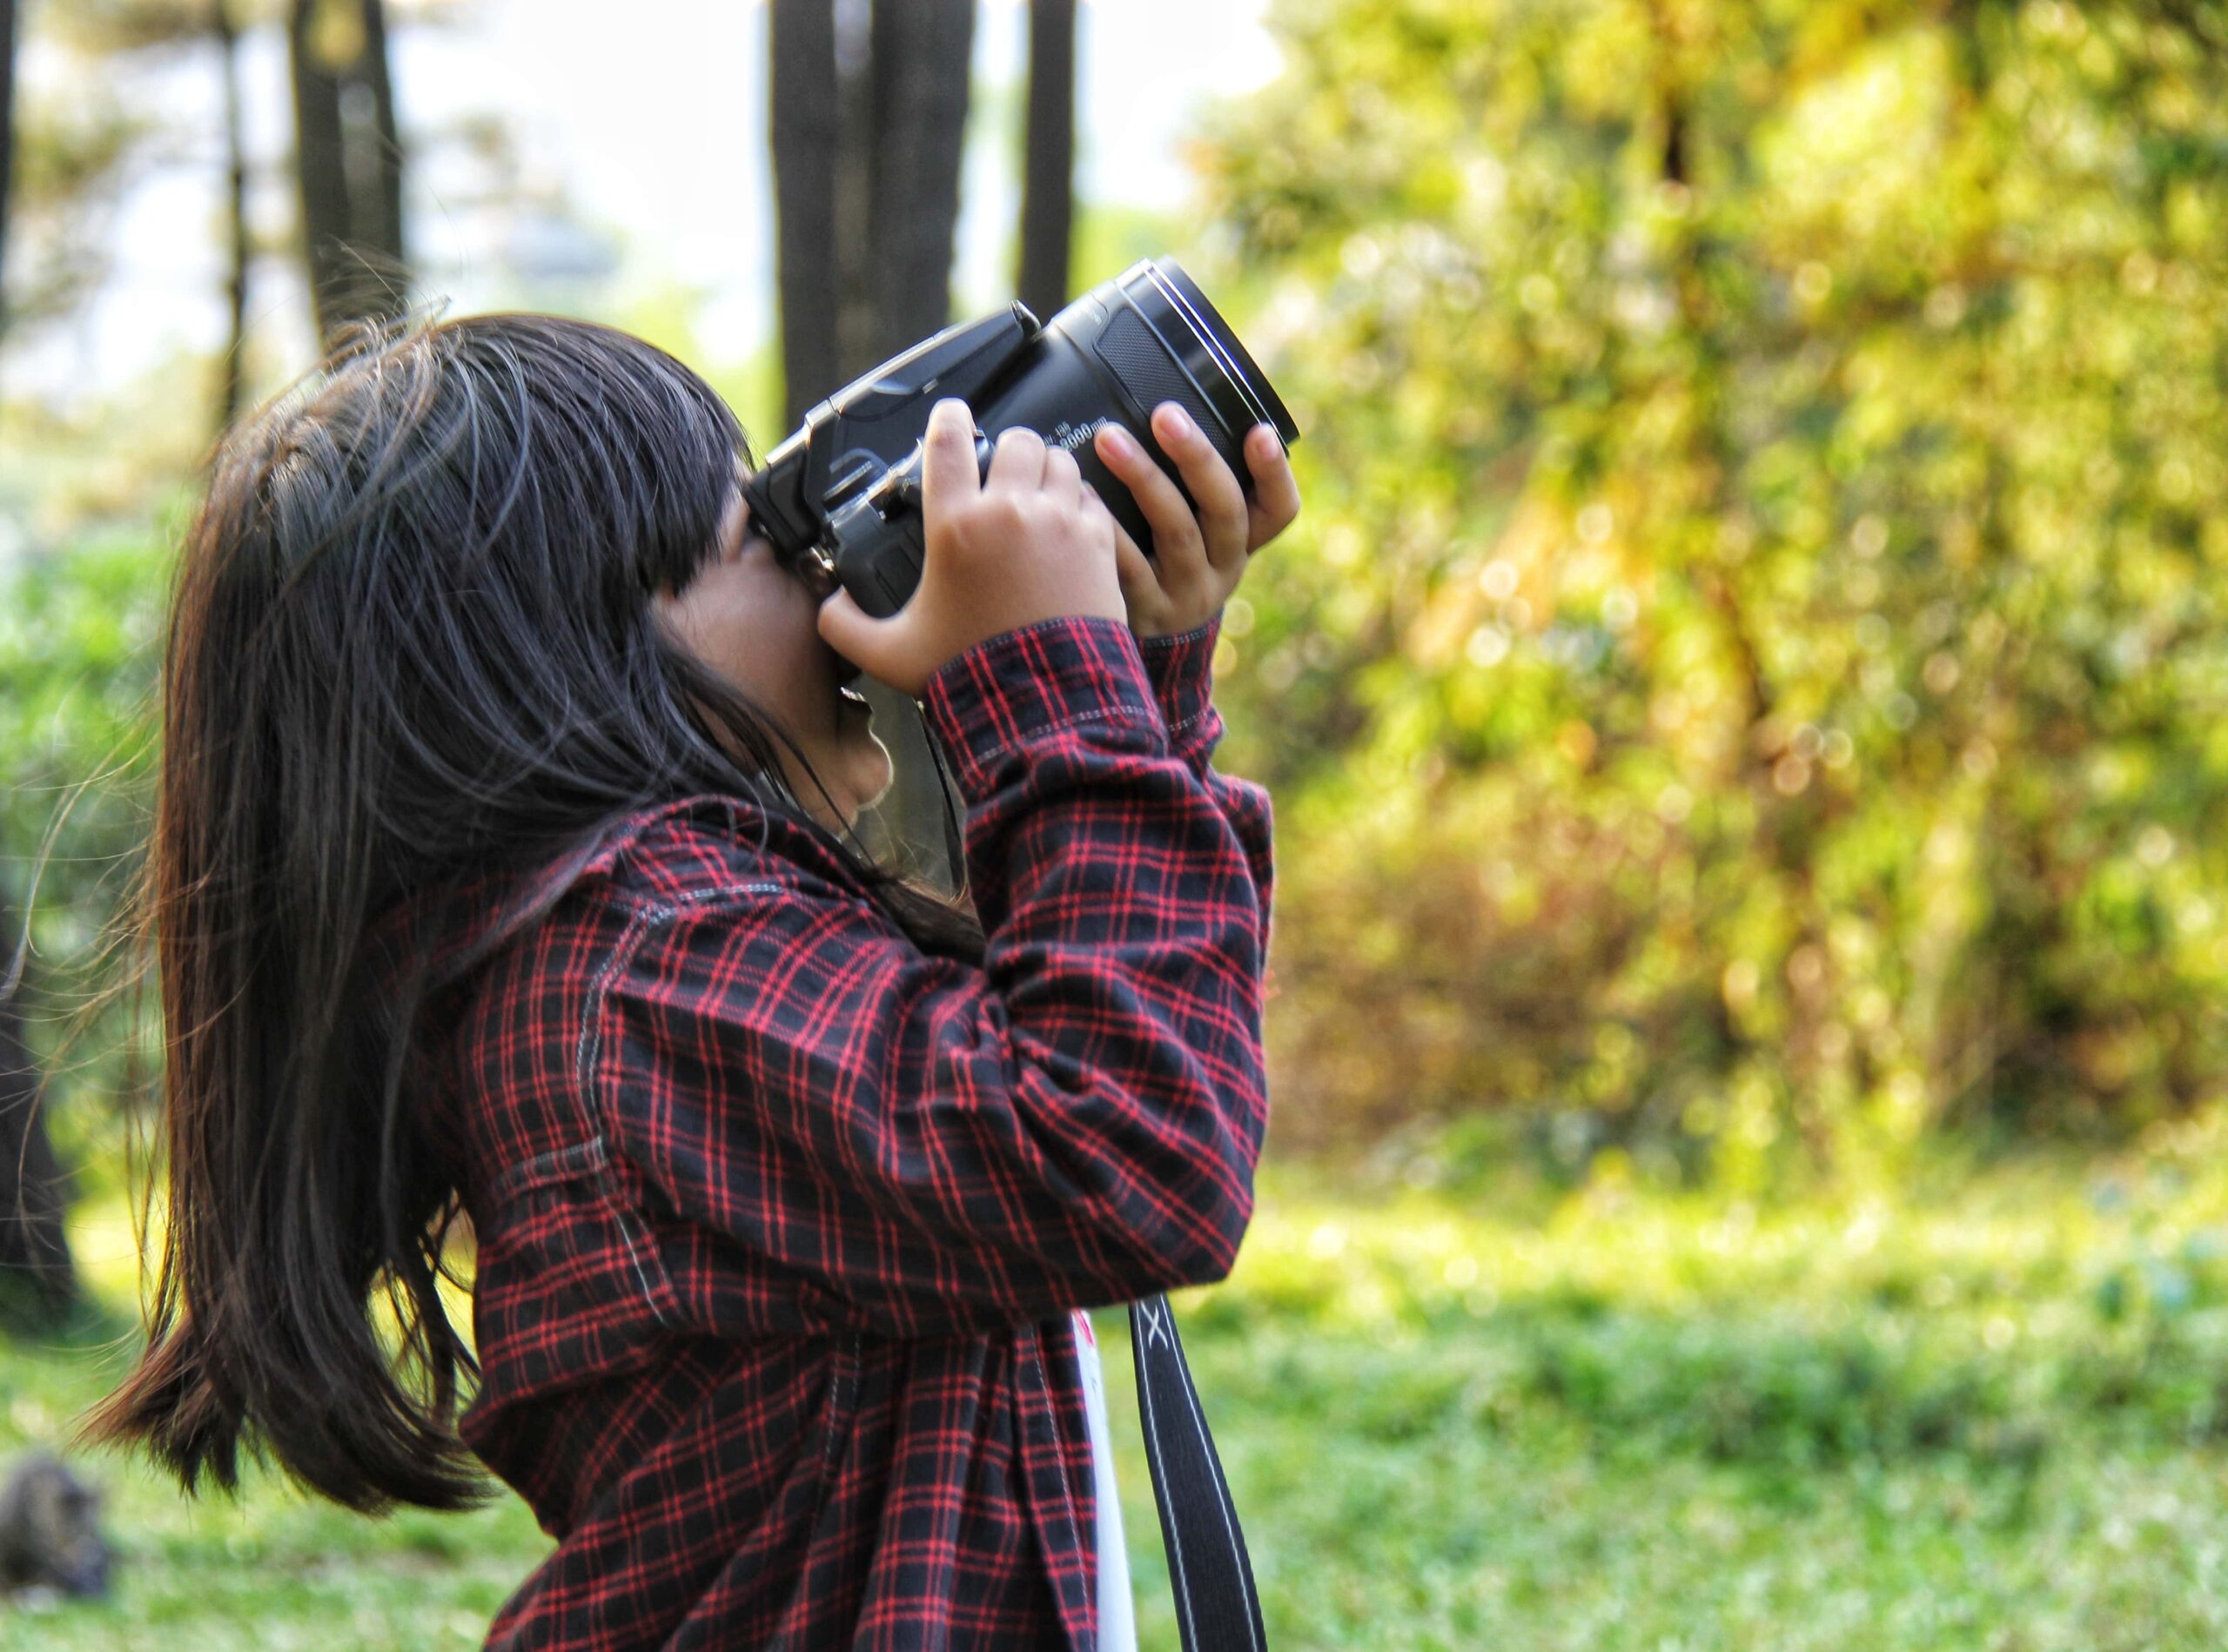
{"type": "Point", "coordinates": [874, 769]}
{"type": "Point", "coordinates": [880, 768]}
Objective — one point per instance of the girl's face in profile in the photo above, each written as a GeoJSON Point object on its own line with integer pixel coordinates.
{"type": "Point", "coordinates": [755, 622]}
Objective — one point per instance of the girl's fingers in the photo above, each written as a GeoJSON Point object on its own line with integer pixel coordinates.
{"type": "Point", "coordinates": [1176, 537]}
{"type": "Point", "coordinates": [1140, 585]}
{"type": "Point", "coordinates": [1018, 462]}
{"type": "Point", "coordinates": [884, 648]}
{"type": "Point", "coordinates": [948, 473]}
{"type": "Point", "coordinates": [1063, 476]}
{"type": "Point", "coordinates": [1223, 520]}
{"type": "Point", "coordinates": [1276, 494]}
{"type": "Point", "coordinates": [1101, 519]}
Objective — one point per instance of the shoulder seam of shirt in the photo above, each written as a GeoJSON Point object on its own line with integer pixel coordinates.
{"type": "Point", "coordinates": [644, 879]}
{"type": "Point", "coordinates": [642, 919]}
{"type": "Point", "coordinates": [645, 912]}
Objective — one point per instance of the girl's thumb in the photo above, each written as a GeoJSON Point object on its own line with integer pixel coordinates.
{"type": "Point", "coordinates": [855, 634]}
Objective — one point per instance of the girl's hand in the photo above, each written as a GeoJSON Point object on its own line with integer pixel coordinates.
{"type": "Point", "coordinates": [1201, 558]}
{"type": "Point", "coordinates": [1028, 542]}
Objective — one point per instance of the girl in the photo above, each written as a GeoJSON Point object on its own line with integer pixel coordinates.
{"type": "Point", "coordinates": [503, 867]}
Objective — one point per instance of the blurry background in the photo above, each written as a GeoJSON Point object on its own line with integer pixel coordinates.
{"type": "Point", "coordinates": [1744, 703]}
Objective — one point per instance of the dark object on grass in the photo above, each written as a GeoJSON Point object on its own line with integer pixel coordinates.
{"type": "Point", "coordinates": [50, 1531]}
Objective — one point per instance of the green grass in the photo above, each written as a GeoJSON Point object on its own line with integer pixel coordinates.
{"type": "Point", "coordinates": [1992, 1414]}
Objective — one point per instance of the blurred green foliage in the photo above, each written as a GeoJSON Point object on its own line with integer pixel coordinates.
{"type": "Point", "coordinates": [1749, 675]}
{"type": "Point", "coordinates": [77, 660]}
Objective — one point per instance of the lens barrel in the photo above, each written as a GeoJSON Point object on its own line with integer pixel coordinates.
{"type": "Point", "coordinates": [1146, 337]}
{"type": "Point", "coordinates": [1204, 349]}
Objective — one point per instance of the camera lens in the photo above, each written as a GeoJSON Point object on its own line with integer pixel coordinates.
{"type": "Point", "coordinates": [1227, 362]}
{"type": "Point", "coordinates": [1145, 337]}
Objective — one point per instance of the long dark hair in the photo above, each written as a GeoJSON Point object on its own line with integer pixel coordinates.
{"type": "Point", "coordinates": [412, 641]}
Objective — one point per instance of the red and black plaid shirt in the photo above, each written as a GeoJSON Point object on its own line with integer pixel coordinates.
{"type": "Point", "coordinates": [781, 1219]}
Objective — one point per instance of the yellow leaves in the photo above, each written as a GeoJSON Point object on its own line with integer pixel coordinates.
{"type": "Point", "coordinates": [1857, 148]}
{"type": "Point", "coordinates": [1829, 37]}
{"type": "Point", "coordinates": [1610, 49]}
{"type": "Point", "coordinates": [1577, 742]}
{"type": "Point", "coordinates": [1509, 585]}
{"type": "Point", "coordinates": [1436, 637]}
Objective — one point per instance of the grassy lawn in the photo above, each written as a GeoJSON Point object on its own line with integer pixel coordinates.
{"type": "Point", "coordinates": [1993, 1415]}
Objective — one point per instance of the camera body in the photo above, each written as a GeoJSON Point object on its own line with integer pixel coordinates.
{"type": "Point", "coordinates": [845, 488]}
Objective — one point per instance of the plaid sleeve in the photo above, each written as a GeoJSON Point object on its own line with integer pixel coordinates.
{"type": "Point", "coordinates": [1181, 669]}
{"type": "Point", "coordinates": [928, 1146]}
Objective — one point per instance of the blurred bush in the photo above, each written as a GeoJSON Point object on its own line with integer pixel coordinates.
{"type": "Point", "coordinates": [1749, 677]}
{"type": "Point", "coordinates": [78, 653]}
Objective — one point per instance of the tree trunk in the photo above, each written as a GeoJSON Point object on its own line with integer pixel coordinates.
{"type": "Point", "coordinates": [321, 172]}
{"type": "Point", "coordinates": [806, 129]}
{"type": "Point", "coordinates": [348, 161]}
{"type": "Point", "coordinates": [377, 187]}
{"type": "Point", "coordinates": [229, 389]}
{"type": "Point", "coordinates": [866, 181]}
{"type": "Point", "coordinates": [38, 1286]}
{"type": "Point", "coordinates": [851, 276]}
{"type": "Point", "coordinates": [7, 140]}
{"type": "Point", "coordinates": [919, 74]}
{"type": "Point", "coordinates": [1049, 153]}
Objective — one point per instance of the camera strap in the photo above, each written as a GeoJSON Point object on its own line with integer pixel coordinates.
{"type": "Point", "coordinates": [1217, 1608]}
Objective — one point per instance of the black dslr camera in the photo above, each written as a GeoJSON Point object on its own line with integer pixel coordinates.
{"type": "Point", "coordinates": [845, 490]}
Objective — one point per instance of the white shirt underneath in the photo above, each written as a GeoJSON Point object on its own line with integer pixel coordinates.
{"type": "Point", "coordinates": [1118, 1630]}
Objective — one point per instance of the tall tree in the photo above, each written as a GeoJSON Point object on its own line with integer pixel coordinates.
{"type": "Point", "coordinates": [348, 161]}
{"type": "Point", "coordinates": [918, 75]}
{"type": "Point", "coordinates": [807, 126]}
{"type": "Point", "coordinates": [237, 251]}
{"type": "Point", "coordinates": [7, 138]}
{"type": "Point", "coordinates": [866, 148]}
{"type": "Point", "coordinates": [1048, 156]}
{"type": "Point", "coordinates": [38, 1285]}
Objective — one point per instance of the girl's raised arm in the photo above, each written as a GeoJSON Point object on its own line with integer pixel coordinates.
{"type": "Point", "coordinates": [1181, 669]}
{"type": "Point", "coordinates": [926, 1146]}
